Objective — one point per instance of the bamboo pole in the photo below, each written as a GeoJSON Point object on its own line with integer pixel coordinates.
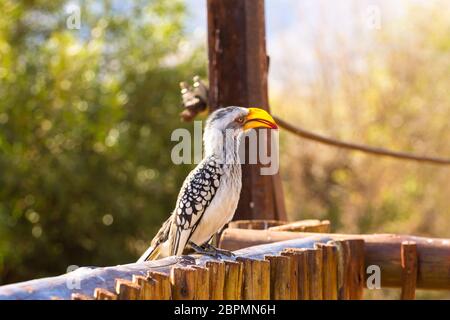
{"type": "Point", "coordinates": [280, 277]}
{"type": "Point", "coordinates": [233, 282]}
{"type": "Point", "coordinates": [314, 263]}
{"type": "Point", "coordinates": [103, 294]}
{"type": "Point", "coordinates": [216, 279]}
{"type": "Point", "coordinates": [256, 279]}
{"type": "Point", "coordinates": [329, 279]}
{"type": "Point", "coordinates": [183, 283]}
{"type": "Point", "coordinates": [201, 283]}
{"type": "Point", "coordinates": [409, 270]}
{"type": "Point", "coordinates": [299, 255]}
{"type": "Point", "coordinates": [161, 285]}
{"type": "Point", "coordinates": [127, 290]}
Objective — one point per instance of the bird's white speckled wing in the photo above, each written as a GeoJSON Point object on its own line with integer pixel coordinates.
{"type": "Point", "coordinates": [196, 194]}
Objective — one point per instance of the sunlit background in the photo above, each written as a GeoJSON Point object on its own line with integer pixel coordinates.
{"type": "Point", "coordinates": [86, 116]}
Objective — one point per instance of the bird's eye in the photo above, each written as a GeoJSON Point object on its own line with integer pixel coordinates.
{"type": "Point", "coordinates": [240, 120]}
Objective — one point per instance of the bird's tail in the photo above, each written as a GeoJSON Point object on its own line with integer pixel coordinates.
{"type": "Point", "coordinates": [152, 253]}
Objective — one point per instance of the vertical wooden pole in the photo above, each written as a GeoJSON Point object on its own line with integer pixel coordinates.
{"type": "Point", "coordinates": [357, 272]}
{"type": "Point", "coordinates": [127, 290]}
{"type": "Point", "coordinates": [162, 288]}
{"type": "Point", "coordinates": [409, 270]}
{"type": "Point", "coordinates": [293, 278]}
{"type": "Point", "coordinates": [329, 274]}
{"type": "Point", "coordinates": [103, 294]}
{"type": "Point", "coordinates": [238, 69]}
{"type": "Point", "coordinates": [183, 283]}
{"type": "Point", "coordinates": [314, 261]}
{"type": "Point", "coordinates": [280, 277]}
{"type": "Point", "coordinates": [300, 256]}
{"type": "Point", "coordinates": [343, 262]}
{"type": "Point", "coordinates": [201, 283]}
{"type": "Point", "coordinates": [233, 284]}
{"type": "Point", "coordinates": [216, 279]}
{"type": "Point", "coordinates": [256, 279]}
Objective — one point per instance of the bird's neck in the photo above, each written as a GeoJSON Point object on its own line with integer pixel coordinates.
{"type": "Point", "coordinates": [222, 146]}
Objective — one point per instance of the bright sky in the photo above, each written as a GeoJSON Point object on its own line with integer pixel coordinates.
{"type": "Point", "coordinates": [293, 26]}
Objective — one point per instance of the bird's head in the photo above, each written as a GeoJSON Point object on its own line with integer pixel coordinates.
{"type": "Point", "coordinates": [232, 122]}
{"type": "Point", "coordinates": [240, 119]}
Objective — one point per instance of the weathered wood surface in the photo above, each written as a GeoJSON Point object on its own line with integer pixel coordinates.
{"type": "Point", "coordinates": [383, 250]}
{"type": "Point", "coordinates": [85, 280]}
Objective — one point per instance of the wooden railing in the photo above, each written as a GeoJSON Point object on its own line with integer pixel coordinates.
{"type": "Point", "coordinates": [268, 264]}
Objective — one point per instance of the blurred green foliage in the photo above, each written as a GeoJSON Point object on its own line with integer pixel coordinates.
{"type": "Point", "coordinates": [85, 123]}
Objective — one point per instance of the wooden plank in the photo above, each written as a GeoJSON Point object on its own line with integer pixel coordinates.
{"type": "Point", "coordinates": [314, 263]}
{"type": "Point", "coordinates": [161, 285]}
{"type": "Point", "coordinates": [409, 270]}
{"type": "Point", "coordinates": [201, 283]}
{"type": "Point", "coordinates": [329, 274]}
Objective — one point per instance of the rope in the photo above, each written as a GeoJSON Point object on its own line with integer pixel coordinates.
{"type": "Point", "coordinates": [358, 147]}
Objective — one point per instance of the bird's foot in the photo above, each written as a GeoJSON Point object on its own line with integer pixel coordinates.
{"type": "Point", "coordinates": [203, 250]}
{"type": "Point", "coordinates": [218, 251]}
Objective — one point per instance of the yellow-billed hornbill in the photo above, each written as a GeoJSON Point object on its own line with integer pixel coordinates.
{"type": "Point", "coordinates": [210, 194]}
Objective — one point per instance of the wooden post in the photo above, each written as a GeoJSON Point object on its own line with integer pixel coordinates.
{"type": "Point", "coordinates": [127, 290]}
{"type": "Point", "coordinates": [357, 270]}
{"type": "Point", "coordinates": [294, 281]}
{"type": "Point", "coordinates": [256, 279]}
{"type": "Point", "coordinates": [103, 294]}
{"type": "Point", "coordinates": [280, 277]}
{"type": "Point", "coordinates": [162, 288]}
{"type": "Point", "coordinates": [299, 255]}
{"type": "Point", "coordinates": [234, 273]}
{"type": "Point", "coordinates": [409, 270]}
{"type": "Point", "coordinates": [183, 283]}
{"type": "Point", "coordinates": [314, 261]}
{"type": "Point", "coordinates": [329, 279]}
{"type": "Point", "coordinates": [216, 279]}
{"type": "Point", "coordinates": [201, 283]}
{"type": "Point", "coordinates": [238, 69]}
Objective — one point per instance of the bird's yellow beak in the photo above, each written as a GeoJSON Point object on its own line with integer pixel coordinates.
{"type": "Point", "coordinates": [259, 118]}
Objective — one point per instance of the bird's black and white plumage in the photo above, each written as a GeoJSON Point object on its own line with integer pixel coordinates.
{"type": "Point", "coordinates": [210, 193]}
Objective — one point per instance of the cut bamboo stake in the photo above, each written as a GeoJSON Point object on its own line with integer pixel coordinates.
{"type": "Point", "coordinates": [280, 277]}
{"type": "Point", "coordinates": [299, 255]}
{"type": "Point", "coordinates": [409, 270]}
{"type": "Point", "coordinates": [183, 283]}
{"type": "Point", "coordinates": [162, 287]}
{"type": "Point", "coordinates": [329, 274]}
{"type": "Point", "coordinates": [201, 283]}
{"type": "Point", "coordinates": [103, 294]}
{"type": "Point", "coordinates": [314, 261]}
{"type": "Point", "coordinates": [256, 279]}
{"type": "Point", "coordinates": [216, 279]}
{"type": "Point", "coordinates": [79, 296]}
{"type": "Point", "coordinates": [294, 284]}
{"type": "Point", "coordinates": [127, 290]}
{"type": "Point", "coordinates": [233, 283]}
{"type": "Point", "coordinates": [357, 272]}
